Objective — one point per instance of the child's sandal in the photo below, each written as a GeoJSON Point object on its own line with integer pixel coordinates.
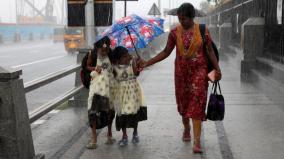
{"type": "Point", "coordinates": [110, 141]}
{"type": "Point", "coordinates": [135, 139]}
{"type": "Point", "coordinates": [92, 145]}
{"type": "Point", "coordinates": [123, 142]}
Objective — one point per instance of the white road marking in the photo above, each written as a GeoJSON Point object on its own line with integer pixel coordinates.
{"type": "Point", "coordinates": [39, 122]}
{"type": "Point", "coordinates": [54, 112]}
{"type": "Point", "coordinates": [39, 61]}
{"type": "Point", "coordinates": [9, 48]}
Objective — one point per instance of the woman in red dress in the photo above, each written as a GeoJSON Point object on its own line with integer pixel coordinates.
{"type": "Point", "coordinates": [191, 82]}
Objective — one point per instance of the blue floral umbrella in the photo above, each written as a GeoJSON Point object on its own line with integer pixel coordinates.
{"type": "Point", "coordinates": [134, 32]}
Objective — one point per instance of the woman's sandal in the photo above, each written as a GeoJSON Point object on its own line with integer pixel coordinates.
{"type": "Point", "coordinates": [186, 136]}
{"type": "Point", "coordinates": [197, 148]}
{"type": "Point", "coordinates": [91, 145]}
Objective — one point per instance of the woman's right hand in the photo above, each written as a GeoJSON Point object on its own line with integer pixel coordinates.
{"type": "Point", "coordinates": [141, 64]}
{"type": "Point", "coordinates": [214, 75]}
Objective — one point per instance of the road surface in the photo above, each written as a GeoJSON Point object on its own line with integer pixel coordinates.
{"type": "Point", "coordinates": [37, 59]}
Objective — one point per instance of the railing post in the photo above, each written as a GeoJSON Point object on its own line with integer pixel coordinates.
{"type": "Point", "coordinates": [252, 42]}
{"type": "Point", "coordinates": [225, 36]}
{"type": "Point", "coordinates": [1, 39]}
{"type": "Point", "coordinates": [81, 98]}
{"type": "Point", "coordinates": [15, 131]}
{"type": "Point", "coordinates": [31, 37]}
{"type": "Point", "coordinates": [17, 37]}
{"type": "Point", "coordinates": [214, 32]}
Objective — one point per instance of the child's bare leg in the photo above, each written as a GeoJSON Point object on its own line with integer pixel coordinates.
{"type": "Point", "coordinates": [124, 140]}
{"type": "Point", "coordinates": [93, 142]}
{"type": "Point", "coordinates": [111, 117]}
{"type": "Point", "coordinates": [135, 138]}
{"type": "Point", "coordinates": [94, 132]}
{"type": "Point", "coordinates": [135, 131]}
{"type": "Point", "coordinates": [110, 140]}
{"type": "Point", "coordinates": [124, 133]}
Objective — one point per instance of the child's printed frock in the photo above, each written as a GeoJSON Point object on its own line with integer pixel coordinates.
{"type": "Point", "coordinates": [130, 106]}
{"type": "Point", "coordinates": [101, 95]}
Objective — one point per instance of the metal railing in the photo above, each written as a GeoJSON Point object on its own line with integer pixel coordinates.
{"type": "Point", "coordinates": [237, 12]}
{"type": "Point", "coordinates": [32, 85]}
{"type": "Point", "coordinates": [46, 108]}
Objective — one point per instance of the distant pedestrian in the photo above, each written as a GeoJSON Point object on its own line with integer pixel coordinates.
{"type": "Point", "coordinates": [101, 95]}
{"type": "Point", "coordinates": [191, 69]}
{"type": "Point", "coordinates": [130, 108]}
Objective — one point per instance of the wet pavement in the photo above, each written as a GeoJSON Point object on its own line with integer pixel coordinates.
{"type": "Point", "coordinates": [252, 128]}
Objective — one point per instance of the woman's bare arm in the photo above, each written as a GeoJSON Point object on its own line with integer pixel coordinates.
{"type": "Point", "coordinates": [161, 56]}
{"type": "Point", "coordinates": [211, 54]}
{"type": "Point", "coordinates": [212, 57]}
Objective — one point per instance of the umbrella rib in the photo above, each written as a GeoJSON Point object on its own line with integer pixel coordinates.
{"type": "Point", "coordinates": [139, 37]}
{"type": "Point", "coordinates": [132, 41]}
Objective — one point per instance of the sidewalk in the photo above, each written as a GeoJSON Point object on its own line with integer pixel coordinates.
{"type": "Point", "coordinates": [252, 129]}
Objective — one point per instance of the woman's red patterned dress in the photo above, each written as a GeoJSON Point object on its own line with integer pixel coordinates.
{"type": "Point", "coordinates": [191, 82]}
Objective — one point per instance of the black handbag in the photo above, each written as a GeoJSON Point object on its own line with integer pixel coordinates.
{"type": "Point", "coordinates": [216, 104]}
{"type": "Point", "coordinates": [142, 113]}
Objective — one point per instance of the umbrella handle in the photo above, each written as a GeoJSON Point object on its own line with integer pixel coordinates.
{"type": "Point", "coordinates": [128, 31]}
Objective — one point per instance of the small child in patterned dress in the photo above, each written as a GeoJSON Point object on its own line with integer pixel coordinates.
{"type": "Point", "coordinates": [130, 107]}
{"type": "Point", "coordinates": [101, 96]}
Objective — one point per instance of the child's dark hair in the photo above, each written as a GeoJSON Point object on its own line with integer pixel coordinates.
{"type": "Point", "coordinates": [186, 9]}
{"type": "Point", "coordinates": [119, 52]}
{"type": "Point", "coordinates": [100, 43]}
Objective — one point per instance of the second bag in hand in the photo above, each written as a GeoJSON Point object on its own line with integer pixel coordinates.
{"type": "Point", "coordinates": [216, 104]}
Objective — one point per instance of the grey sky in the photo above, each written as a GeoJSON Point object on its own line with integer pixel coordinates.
{"type": "Point", "coordinates": [141, 7]}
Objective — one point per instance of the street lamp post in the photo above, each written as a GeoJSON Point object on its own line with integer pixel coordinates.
{"type": "Point", "coordinates": [159, 6]}
{"type": "Point", "coordinates": [125, 8]}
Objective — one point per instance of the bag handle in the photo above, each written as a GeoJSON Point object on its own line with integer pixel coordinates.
{"type": "Point", "coordinates": [202, 32]}
{"type": "Point", "coordinates": [219, 87]}
{"type": "Point", "coordinates": [215, 87]}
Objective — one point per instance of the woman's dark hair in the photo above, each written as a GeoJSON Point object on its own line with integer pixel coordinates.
{"type": "Point", "coordinates": [186, 9]}
{"type": "Point", "coordinates": [119, 52]}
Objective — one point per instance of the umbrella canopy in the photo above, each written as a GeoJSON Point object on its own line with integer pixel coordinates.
{"type": "Point", "coordinates": [134, 32]}
{"type": "Point", "coordinates": [198, 13]}
{"type": "Point", "coordinates": [155, 21]}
